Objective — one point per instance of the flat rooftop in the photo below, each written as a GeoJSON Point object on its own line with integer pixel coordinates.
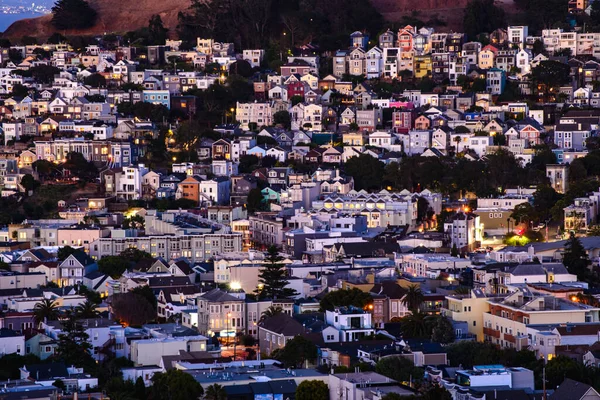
{"type": "Point", "coordinates": [243, 374]}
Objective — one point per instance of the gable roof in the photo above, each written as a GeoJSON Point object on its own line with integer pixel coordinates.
{"type": "Point", "coordinates": [283, 324]}
{"type": "Point", "coordinates": [217, 296]}
{"type": "Point", "coordinates": [571, 390]}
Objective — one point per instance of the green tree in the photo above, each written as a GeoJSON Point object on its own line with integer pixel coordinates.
{"type": "Point", "coordinates": [345, 298]}
{"type": "Point", "coordinates": [524, 213]}
{"type": "Point", "coordinates": [482, 16]}
{"type": "Point", "coordinates": [544, 198]}
{"type": "Point", "coordinates": [78, 166]}
{"type": "Point", "coordinates": [312, 390]}
{"type": "Point", "coordinates": [550, 74]}
{"type": "Point", "coordinates": [174, 385]}
{"type": "Point", "coordinates": [64, 252]}
{"type": "Point", "coordinates": [157, 33]}
{"type": "Point", "coordinates": [413, 298]}
{"type": "Point", "coordinates": [271, 312]}
{"type": "Point", "coordinates": [416, 326]}
{"type": "Point", "coordinates": [443, 331]}
{"type": "Point", "coordinates": [140, 388]}
{"type": "Point", "coordinates": [282, 118]}
{"type": "Point", "coordinates": [134, 255]}
{"type": "Point", "coordinates": [147, 293]}
{"type": "Point", "coordinates": [454, 250]}
{"type": "Point", "coordinates": [12, 362]}
{"type": "Point", "coordinates": [188, 134]}
{"type": "Point", "coordinates": [241, 68]}
{"type": "Point", "coordinates": [273, 277]}
{"type": "Point", "coordinates": [562, 367]}
{"type": "Point", "coordinates": [575, 257]}
{"type": "Point", "coordinates": [45, 310]}
{"type": "Point", "coordinates": [74, 347]}
{"type": "Point", "coordinates": [255, 200]}
{"type": "Point", "coordinates": [114, 266]}
{"type": "Point", "coordinates": [367, 172]}
{"type": "Point", "coordinates": [73, 14]}
{"type": "Point", "coordinates": [28, 182]}
{"type": "Point", "coordinates": [215, 392]}
{"type": "Point", "coordinates": [132, 308]}
{"type": "Point", "coordinates": [296, 352]}
{"type": "Point", "coordinates": [399, 369]}
{"type": "Point", "coordinates": [87, 309]}
{"type": "Point", "coordinates": [95, 80]}
{"type": "Point", "coordinates": [435, 392]}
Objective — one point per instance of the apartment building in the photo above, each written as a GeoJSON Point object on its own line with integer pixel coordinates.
{"type": "Point", "coordinates": [507, 321]}
{"type": "Point", "coordinates": [254, 114]}
{"type": "Point", "coordinates": [196, 248]}
{"type": "Point", "coordinates": [221, 312]}
{"type": "Point", "coordinates": [267, 229]}
{"type": "Point", "coordinates": [465, 231]}
{"type": "Point", "coordinates": [117, 153]}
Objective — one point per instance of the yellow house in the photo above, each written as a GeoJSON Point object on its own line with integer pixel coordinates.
{"type": "Point", "coordinates": [354, 139]}
{"type": "Point", "coordinates": [422, 66]}
{"type": "Point", "coordinates": [487, 56]}
{"type": "Point", "coordinates": [468, 308]}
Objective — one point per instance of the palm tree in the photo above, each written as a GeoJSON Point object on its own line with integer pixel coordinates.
{"type": "Point", "coordinates": [416, 325]}
{"type": "Point", "coordinates": [413, 298]}
{"type": "Point", "coordinates": [271, 312]}
{"type": "Point", "coordinates": [462, 290]}
{"type": "Point", "coordinates": [87, 310]}
{"type": "Point", "coordinates": [457, 139]}
{"type": "Point", "coordinates": [215, 392]}
{"type": "Point", "coordinates": [45, 310]}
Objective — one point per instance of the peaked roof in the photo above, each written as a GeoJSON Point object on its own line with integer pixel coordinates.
{"type": "Point", "coordinates": [283, 324]}
{"type": "Point", "coordinates": [217, 295]}
{"type": "Point", "coordinates": [571, 390]}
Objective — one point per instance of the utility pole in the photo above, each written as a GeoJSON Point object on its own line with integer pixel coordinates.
{"type": "Point", "coordinates": [544, 396]}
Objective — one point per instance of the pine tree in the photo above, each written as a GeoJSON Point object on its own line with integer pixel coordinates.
{"type": "Point", "coordinates": [73, 14]}
{"type": "Point", "coordinates": [156, 30]}
{"type": "Point", "coordinates": [272, 278]}
{"type": "Point", "coordinates": [74, 347]}
{"type": "Point", "coordinates": [454, 251]}
{"type": "Point", "coordinates": [575, 257]}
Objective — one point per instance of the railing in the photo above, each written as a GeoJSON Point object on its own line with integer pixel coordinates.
{"type": "Point", "coordinates": [491, 332]}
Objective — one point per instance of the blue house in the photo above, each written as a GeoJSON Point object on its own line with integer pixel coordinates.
{"type": "Point", "coordinates": [359, 39]}
{"type": "Point", "coordinates": [158, 97]}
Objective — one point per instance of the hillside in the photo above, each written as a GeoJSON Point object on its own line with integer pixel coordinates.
{"type": "Point", "coordinates": [113, 16]}
{"type": "Point", "coordinates": [118, 16]}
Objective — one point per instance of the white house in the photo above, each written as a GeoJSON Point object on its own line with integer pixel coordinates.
{"type": "Point", "coordinates": [352, 324]}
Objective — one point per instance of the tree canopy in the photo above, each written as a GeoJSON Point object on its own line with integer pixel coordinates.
{"type": "Point", "coordinates": [312, 390]}
{"type": "Point", "coordinates": [482, 16]}
{"type": "Point", "coordinates": [114, 266]}
{"type": "Point", "coordinates": [73, 14]}
{"type": "Point", "coordinates": [174, 385]}
{"type": "Point", "coordinates": [296, 352]}
{"type": "Point", "coordinates": [344, 298]}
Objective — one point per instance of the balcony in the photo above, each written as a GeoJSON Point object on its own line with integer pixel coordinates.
{"type": "Point", "coordinates": [452, 314]}
{"type": "Point", "coordinates": [491, 332]}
